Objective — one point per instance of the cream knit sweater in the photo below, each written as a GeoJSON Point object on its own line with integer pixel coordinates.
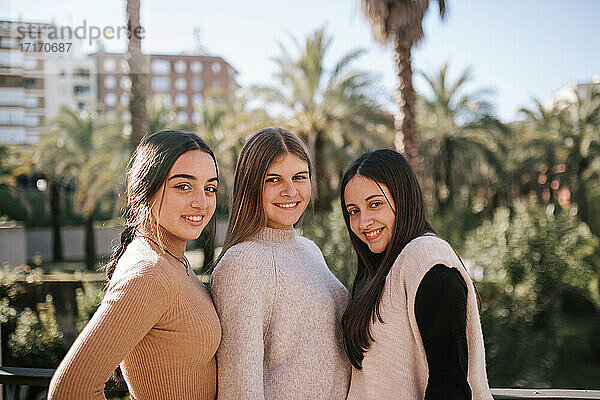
{"type": "Point", "coordinates": [280, 309]}
{"type": "Point", "coordinates": [157, 321]}
{"type": "Point", "coordinates": [395, 366]}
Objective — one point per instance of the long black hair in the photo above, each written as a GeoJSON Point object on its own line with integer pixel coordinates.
{"type": "Point", "coordinates": [389, 168]}
{"type": "Point", "coordinates": [147, 172]}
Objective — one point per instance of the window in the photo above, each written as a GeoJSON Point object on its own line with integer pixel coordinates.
{"type": "Point", "coordinates": [196, 118]}
{"type": "Point", "coordinates": [32, 120]}
{"type": "Point", "coordinates": [80, 106]}
{"type": "Point", "coordinates": [125, 99]}
{"type": "Point", "coordinates": [197, 84]}
{"type": "Point", "coordinates": [82, 72]}
{"type": "Point", "coordinates": [196, 67]}
{"type": "Point", "coordinates": [216, 67]}
{"type": "Point", "coordinates": [217, 83]}
{"type": "Point", "coordinates": [180, 84]}
{"type": "Point", "coordinates": [180, 66]}
{"type": "Point", "coordinates": [181, 100]}
{"type": "Point", "coordinates": [125, 83]}
{"type": "Point", "coordinates": [110, 99]}
{"type": "Point", "coordinates": [110, 82]}
{"type": "Point", "coordinates": [161, 84]}
{"type": "Point", "coordinates": [30, 63]}
{"type": "Point", "coordinates": [8, 43]}
{"type": "Point", "coordinates": [12, 116]}
{"type": "Point", "coordinates": [81, 89]}
{"type": "Point", "coordinates": [182, 117]}
{"type": "Point", "coordinates": [31, 101]}
{"type": "Point", "coordinates": [197, 99]}
{"type": "Point", "coordinates": [110, 64]}
{"type": "Point", "coordinates": [30, 83]}
{"type": "Point", "coordinates": [161, 67]}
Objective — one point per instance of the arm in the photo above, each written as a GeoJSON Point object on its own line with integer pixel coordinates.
{"type": "Point", "coordinates": [440, 310]}
{"type": "Point", "coordinates": [128, 311]}
{"type": "Point", "coordinates": [239, 294]}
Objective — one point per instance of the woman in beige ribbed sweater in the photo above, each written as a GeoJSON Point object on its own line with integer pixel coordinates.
{"type": "Point", "coordinates": [156, 319]}
{"type": "Point", "coordinates": [412, 328]}
{"type": "Point", "coordinates": [280, 307]}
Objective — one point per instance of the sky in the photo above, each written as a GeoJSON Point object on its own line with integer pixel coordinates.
{"type": "Point", "coordinates": [518, 49]}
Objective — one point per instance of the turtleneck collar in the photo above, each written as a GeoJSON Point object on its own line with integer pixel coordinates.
{"type": "Point", "coordinates": [277, 235]}
{"type": "Point", "coordinates": [170, 242]}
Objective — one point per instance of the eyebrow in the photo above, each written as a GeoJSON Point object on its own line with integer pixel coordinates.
{"type": "Point", "coordinates": [297, 173]}
{"type": "Point", "coordinates": [367, 199]}
{"type": "Point", "coordinates": [192, 177]}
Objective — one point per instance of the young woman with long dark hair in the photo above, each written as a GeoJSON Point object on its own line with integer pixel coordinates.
{"type": "Point", "coordinates": [412, 328]}
{"type": "Point", "coordinates": [280, 307]}
{"type": "Point", "coordinates": [156, 319]}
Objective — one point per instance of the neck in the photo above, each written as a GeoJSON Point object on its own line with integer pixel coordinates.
{"type": "Point", "coordinates": [169, 242]}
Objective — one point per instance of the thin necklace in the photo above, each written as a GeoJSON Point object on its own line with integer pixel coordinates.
{"type": "Point", "coordinates": [185, 262]}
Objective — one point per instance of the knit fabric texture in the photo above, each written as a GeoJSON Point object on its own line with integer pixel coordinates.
{"type": "Point", "coordinates": [157, 321]}
{"type": "Point", "coordinates": [395, 366]}
{"type": "Point", "coordinates": [280, 309]}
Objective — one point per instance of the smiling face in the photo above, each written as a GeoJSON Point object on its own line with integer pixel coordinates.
{"type": "Point", "coordinates": [371, 216]}
{"type": "Point", "coordinates": [187, 200]}
{"type": "Point", "coordinates": [286, 191]}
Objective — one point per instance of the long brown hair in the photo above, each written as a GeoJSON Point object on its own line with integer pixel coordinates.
{"type": "Point", "coordinates": [246, 215]}
{"type": "Point", "coordinates": [147, 171]}
{"type": "Point", "coordinates": [389, 168]}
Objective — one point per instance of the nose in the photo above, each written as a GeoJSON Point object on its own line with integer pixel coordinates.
{"type": "Point", "coordinates": [365, 220]}
{"type": "Point", "coordinates": [200, 201]}
{"type": "Point", "coordinates": [289, 189]}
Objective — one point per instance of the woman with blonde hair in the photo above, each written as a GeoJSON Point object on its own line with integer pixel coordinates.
{"type": "Point", "coordinates": [280, 307]}
{"type": "Point", "coordinates": [156, 319]}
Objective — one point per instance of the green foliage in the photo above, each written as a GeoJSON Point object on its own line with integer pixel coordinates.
{"type": "Point", "coordinates": [328, 231]}
{"type": "Point", "coordinates": [88, 300]}
{"type": "Point", "coordinates": [32, 336]}
{"type": "Point", "coordinates": [529, 256]}
{"type": "Point", "coordinates": [37, 335]}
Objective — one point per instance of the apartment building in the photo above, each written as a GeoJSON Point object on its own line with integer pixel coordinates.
{"type": "Point", "coordinates": [181, 81]}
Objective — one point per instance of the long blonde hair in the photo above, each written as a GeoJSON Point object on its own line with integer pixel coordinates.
{"type": "Point", "coordinates": [246, 215]}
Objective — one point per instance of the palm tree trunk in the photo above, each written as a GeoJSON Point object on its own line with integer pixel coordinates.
{"type": "Point", "coordinates": [138, 73]}
{"type": "Point", "coordinates": [404, 119]}
{"type": "Point", "coordinates": [90, 242]}
{"type": "Point", "coordinates": [54, 192]}
{"type": "Point", "coordinates": [323, 199]}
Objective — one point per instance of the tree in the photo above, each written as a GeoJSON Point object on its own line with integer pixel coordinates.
{"type": "Point", "coordinates": [330, 109]}
{"type": "Point", "coordinates": [138, 73]}
{"type": "Point", "coordinates": [85, 149]}
{"type": "Point", "coordinates": [460, 138]}
{"type": "Point", "coordinates": [400, 22]}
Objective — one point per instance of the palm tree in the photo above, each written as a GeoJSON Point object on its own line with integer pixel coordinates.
{"type": "Point", "coordinates": [138, 73]}
{"type": "Point", "coordinates": [460, 138]}
{"type": "Point", "coordinates": [400, 22]}
{"type": "Point", "coordinates": [328, 108]}
{"type": "Point", "coordinates": [84, 149]}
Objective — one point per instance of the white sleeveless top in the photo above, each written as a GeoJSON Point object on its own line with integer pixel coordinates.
{"type": "Point", "coordinates": [395, 366]}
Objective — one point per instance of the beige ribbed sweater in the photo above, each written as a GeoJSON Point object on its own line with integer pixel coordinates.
{"type": "Point", "coordinates": [157, 321]}
{"type": "Point", "coordinates": [395, 366]}
{"type": "Point", "coordinates": [280, 309]}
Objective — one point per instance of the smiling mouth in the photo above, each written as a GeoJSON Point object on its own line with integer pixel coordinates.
{"type": "Point", "coordinates": [193, 218]}
{"type": "Point", "coordinates": [373, 234]}
{"type": "Point", "coordinates": [287, 205]}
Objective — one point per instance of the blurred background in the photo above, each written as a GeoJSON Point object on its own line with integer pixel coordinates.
{"type": "Point", "coordinates": [497, 108]}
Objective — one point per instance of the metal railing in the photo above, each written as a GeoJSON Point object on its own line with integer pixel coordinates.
{"type": "Point", "coordinates": [42, 376]}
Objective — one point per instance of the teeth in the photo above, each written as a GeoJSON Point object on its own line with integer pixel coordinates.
{"type": "Point", "coordinates": [373, 233]}
{"type": "Point", "coordinates": [194, 218]}
{"type": "Point", "coordinates": [288, 205]}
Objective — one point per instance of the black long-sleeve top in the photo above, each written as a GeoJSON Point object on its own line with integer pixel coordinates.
{"type": "Point", "coordinates": [440, 310]}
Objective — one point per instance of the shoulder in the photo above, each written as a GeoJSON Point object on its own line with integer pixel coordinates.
{"type": "Point", "coordinates": [309, 245]}
{"type": "Point", "coordinates": [246, 260]}
{"type": "Point", "coordinates": [141, 264]}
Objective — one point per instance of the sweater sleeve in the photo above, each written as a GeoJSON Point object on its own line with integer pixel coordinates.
{"type": "Point", "coordinates": [440, 310]}
{"type": "Point", "coordinates": [130, 308]}
{"type": "Point", "coordinates": [239, 288]}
